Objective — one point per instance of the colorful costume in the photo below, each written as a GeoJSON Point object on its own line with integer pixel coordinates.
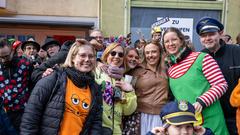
{"type": "Point", "coordinates": [197, 77]}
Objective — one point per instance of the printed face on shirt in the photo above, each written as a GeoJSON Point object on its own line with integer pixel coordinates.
{"type": "Point", "coordinates": [210, 40]}
{"type": "Point", "coordinates": [172, 43]}
{"type": "Point", "coordinates": [77, 104]}
{"type": "Point", "coordinates": [185, 129]}
{"type": "Point", "coordinates": [115, 57]}
{"type": "Point", "coordinates": [132, 59]}
{"type": "Point", "coordinates": [152, 54]}
{"type": "Point", "coordinates": [85, 59]}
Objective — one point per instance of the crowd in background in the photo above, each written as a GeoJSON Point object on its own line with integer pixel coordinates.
{"type": "Point", "coordinates": [111, 86]}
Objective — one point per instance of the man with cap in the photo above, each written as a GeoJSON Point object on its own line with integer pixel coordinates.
{"type": "Point", "coordinates": [178, 118]}
{"type": "Point", "coordinates": [30, 50]}
{"type": "Point", "coordinates": [51, 46]}
{"type": "Point", "coordinates": [17, 47]}
{"type": "Point", "coordinates": [210, 32]}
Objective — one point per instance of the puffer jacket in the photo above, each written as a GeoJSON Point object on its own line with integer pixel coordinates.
{"type": "Point", "coordinates": [44, 111]}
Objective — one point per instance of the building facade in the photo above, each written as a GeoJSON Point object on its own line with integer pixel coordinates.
{"type": "Point", "coordinates": [25, 18]}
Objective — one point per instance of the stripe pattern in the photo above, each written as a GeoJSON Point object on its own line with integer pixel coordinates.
{"type": "Point", "coordinates": [210, 70]}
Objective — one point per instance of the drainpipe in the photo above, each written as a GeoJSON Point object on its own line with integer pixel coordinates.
{"type": "Point", "coordinates": [125, 16]}
{"type": "Point", "coordinates": [225, 14]}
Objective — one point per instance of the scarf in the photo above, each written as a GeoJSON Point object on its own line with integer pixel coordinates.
{"type": "Point", "coordinates": [80, 79]}
{"type": "Point", "coordinates": [172, 59]}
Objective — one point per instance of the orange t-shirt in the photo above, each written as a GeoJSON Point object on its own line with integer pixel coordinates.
{"type": "Point", "coordinates": [77, 103]}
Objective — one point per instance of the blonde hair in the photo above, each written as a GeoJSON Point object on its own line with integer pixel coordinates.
{"type": "Point", "coordinates": [74, 50]}
{"type": "Point", "coordinates": [108, 50]}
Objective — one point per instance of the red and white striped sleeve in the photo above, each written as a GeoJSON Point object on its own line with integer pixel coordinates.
{"type": "Point", "coordinates": [216, 79]}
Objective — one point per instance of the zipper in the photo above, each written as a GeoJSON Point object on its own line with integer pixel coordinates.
{"type": "Point", "coordinates": [90, 109]}
{"type": "Point", "coordinates": [234, 67]}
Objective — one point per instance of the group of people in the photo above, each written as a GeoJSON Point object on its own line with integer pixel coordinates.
{"type": "Point", "coordinates": [158, 87]}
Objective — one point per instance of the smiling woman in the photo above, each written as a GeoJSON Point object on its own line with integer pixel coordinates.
{"type": "Point", "coordinates": [151, 89]}
{"type": "Point", "coordinates": [187, 68]}
{"type": "Point", "coordinates": [132, 59]}
{"type": "Point", "coordinates": [119, 98]}
{"type": "Point", "coordinates": [68, 100]}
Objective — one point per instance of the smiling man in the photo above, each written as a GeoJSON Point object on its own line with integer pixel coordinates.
{"type": "Point", "coordinates": [227, 56]}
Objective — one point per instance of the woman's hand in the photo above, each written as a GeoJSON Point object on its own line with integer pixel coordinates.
{"type": "Point", "coordinates": [47, 72]}
{"type": "Point", "coordinates": [198, 107]}
{"type": "Point", "coordinates": [115, 72]}
{"type": "Point", "coordinates": [96, 45]}
{"type": "Point", "coordinates": [124, 86]}
{"type": "Point", "coordinates": [102, 66]}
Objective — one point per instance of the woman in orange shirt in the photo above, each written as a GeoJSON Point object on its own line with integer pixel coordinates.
{"type": "Point", "coordinates": [68, 101]}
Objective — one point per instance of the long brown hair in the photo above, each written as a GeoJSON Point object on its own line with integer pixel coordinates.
{"type": "Point", "coordinates": [127, 50]}
{"type": "Point", "coordinates": [179, 34]}
{"type": "Point", "coordinates": [161, 67]}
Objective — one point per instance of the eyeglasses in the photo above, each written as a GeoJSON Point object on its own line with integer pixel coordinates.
{"type": "Point", "coordinates": [84, 56]}
{"type": "Point", "coordinates": [120, 54]}
{"type": "Point", "coordinates": [97, 37]}
{"type": "Point", "coordinates": [5, 58]}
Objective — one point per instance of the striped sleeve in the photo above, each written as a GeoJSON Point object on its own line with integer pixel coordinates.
{"type": "Point", "coordinates": [216, 80]}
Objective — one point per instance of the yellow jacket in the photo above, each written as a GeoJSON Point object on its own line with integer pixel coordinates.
{"type": "Point", "coordinates": [235, 102]}
{"type": "Point", "coordinates": [120, 109]}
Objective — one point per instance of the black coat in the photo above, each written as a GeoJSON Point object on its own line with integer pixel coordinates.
{"type": "Point", "coordinates": [44, 111]}
{"type": "Point", "coordinates": [228, 60]}
{"type": "Point", "coordinates": [57, 59]}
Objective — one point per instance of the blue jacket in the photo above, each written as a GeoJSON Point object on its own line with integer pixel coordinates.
{"type": "Point", "coordinates": [6, 128]}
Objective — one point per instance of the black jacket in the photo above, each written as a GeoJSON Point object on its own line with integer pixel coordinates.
{"type": "Point", "coordinates": [59, 58]}
{"type": "Point", "coordinates": [228, 60]}
{"type": "Point", "coordinates": [44, 111]}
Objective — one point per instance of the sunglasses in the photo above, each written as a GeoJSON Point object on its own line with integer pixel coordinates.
{"type": "Point", "coordinates": [120, 54]}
